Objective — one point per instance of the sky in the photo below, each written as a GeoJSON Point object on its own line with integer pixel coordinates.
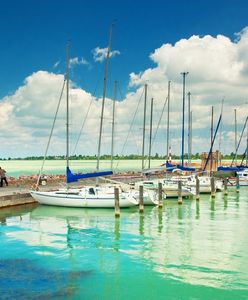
{"type": "Point", "coordinates": [152, 43]}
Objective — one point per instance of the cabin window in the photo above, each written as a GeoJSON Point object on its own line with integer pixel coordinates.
{"type": "Point", "coordinates": [91, 191]}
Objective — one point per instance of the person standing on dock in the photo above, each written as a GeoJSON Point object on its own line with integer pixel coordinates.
{"type": "Point", "coordinates": [3, 177]}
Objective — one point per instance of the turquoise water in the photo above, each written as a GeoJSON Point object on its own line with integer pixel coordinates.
{"type": "Point", "coordinates": [197, 250]}
{"type": "Point", "coordinates": [17, 168]}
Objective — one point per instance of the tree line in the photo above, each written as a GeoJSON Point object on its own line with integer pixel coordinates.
{"type": "Point", "coordinates": [116, 157]}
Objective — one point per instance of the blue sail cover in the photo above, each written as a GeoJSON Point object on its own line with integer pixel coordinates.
{"type": "Point", "coordinates": [70, 177]}
{"type": "Point", "coordinates": [171, 167]}
{"type": "Point", "coordinates": [236, 169]}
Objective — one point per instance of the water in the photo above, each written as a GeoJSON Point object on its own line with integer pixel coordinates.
{"type": "Point", "coordinates": [18, 168]}
{"type": "Point", "coordinates": [197, 250]}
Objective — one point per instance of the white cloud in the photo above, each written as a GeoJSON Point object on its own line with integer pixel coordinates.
{"type": "Point", "coordinates": [56, 64]}
{"type": "Point", "coordinates": [99, 54]}
{"type": "Point", "coordinates": [217, 66]}
{"type": "Point", "coordinates": [77, 61]}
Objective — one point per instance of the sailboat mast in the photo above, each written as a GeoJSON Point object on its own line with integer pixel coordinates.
{"type": "Point", "coordinates": [220, 135]}
{"type": "Point", "coordinates": [67, 101]}
{"type": "Point", "coordinates": [190, 138]}
{"type": "Point", "coordinates": [189, 121]}
{"type": "Point", "coordinates": [113, 125]}
{"type": "Point", "coordinates": [150, 140]}
{"type": "Point", "coordinates": [104, 95]}
{"type": "Point", "coordinates": [144, 128]}
{"type": "Point", "coordinates": [235, 130]}
{"type": "Point", "coordinates": [247, 147]}
{"type": "Point", "coordinates": [211, 141]}
{"type": "Point", "coordinates": [184, 75]}
{"type": "Point", "coordinates": [168, 121]}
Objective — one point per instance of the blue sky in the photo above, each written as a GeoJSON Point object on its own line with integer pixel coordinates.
{"type": "Point", "coordinates": [34, 35]}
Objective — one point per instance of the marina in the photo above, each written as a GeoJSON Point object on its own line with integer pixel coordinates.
{"type": "Point", "coordinates": [124, 150]}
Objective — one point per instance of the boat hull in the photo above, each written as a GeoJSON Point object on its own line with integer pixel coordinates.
{"type": "Point", "coordinates": [78, 200]}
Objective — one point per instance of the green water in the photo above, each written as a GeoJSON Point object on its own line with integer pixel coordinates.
{"type": "Point", "coordinates": [197, 250]}
{"type": "Point", "coordinates": [17, 168]}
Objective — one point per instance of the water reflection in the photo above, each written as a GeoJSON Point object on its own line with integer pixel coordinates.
{"type": "Point", "coordinates": [198, 245]}
{"type": "Point", "coordinates": [212, 208]}
{"type": "Point", "coordinates": [141, 224]}
{"type": "Point", "coordinates": [197, 210]}
{"type": "Point", "coordinates": [160, 220]}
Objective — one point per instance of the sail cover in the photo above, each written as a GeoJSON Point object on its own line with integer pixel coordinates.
{"type": "Point", "coordinates": [171, 167]}
{"type": "Point", "coordinates": [236, 169]}
{"type": "Point", "coordinates": [70, 177]}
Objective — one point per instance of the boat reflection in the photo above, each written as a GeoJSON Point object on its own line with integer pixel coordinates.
{"type": "Point", "coordinates": [194, 242]}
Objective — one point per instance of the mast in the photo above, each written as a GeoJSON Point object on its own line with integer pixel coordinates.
{"type": "Point", "coordinates": [211, 141]}
{"type": "Point", "coordinates": [113, 125]}
{"type": "Point", "coordinates": [191, 126]}
{"type": "Point", "coordinates": [150, 141]}
{"type": "Point", "coordinates": [104, 95]}
{"type": "Point", "coordinates": [67, 101]}
{"type": "Point", "coordinates": [240, 138]}
{"type": "Point", "coordinates": [184, 75]}
{"type": "Point", "coordinates": [168, 121]}
{"type": "Point", "coordinates": [220, 135]}
{"type": "Point", "coordinates": [235, 130]}
{"type": "Point", "coordinates": [189, 121]}
{"type": "Point", "coordinates": [144, 129]}
{"type": "Point", "coordinates": [247, 147]}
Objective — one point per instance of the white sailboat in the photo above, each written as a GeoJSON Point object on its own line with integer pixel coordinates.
{"type": "Point", "coordinates": [93, 196]}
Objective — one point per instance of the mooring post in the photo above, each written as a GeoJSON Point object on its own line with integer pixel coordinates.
{"type": "Point", "coordinates": [117, 203]}
{"type": "Point", "coordinates": [237, 184]}
{"type": "Point", "coordinates": [225, 186]}
{"type": "Point", "coordinates": [160, 195]}
{"type": "Point", "coordinates": [141, 199]}
{"type": "Point", "coordinates": [180, 198]}
{"type": "Point", "coordinates": [212, 187]}
{"type": "Point", "coordinates": [197, 188]}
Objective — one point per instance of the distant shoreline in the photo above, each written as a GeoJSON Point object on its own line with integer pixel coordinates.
{"type": "Point", "coordinates": [117, 157]}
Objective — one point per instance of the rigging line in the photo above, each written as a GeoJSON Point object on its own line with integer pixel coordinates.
{"type": "Point", "coordinates": [243, 158]}
{"type": "Point", "coordinates": [120, 92]}
{"type": "Point", "coordinates": [153, 140]}
{"type": "Point", "coordinates": [84, 121]}
{"type": "Point", "coordinates": [131, 125]}
{"type": "Point", "coordinates": [50, 136]}
{"type": "Point", "coordinates": [86, 116]}
{"type": "Point", "coordinates": [221, 126]}
{"type": "Point", "coordinates": [239, 141]}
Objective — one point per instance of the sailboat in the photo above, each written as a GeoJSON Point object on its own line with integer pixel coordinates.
{"type": "Point", "coordinates": [90, 196]}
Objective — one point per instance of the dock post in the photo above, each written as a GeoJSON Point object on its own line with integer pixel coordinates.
{"type": "Point", "coordinates": [141, 199]}
{"type": "Point", "coordinates": [197, 187]}
{"type": "Point", "coordinates": [160, 195]}
{"type": "Point", "coordinates": [225, 186]}
{"type": "Point", "coordinates": [180, 198]}
{"type": "Point", "coordinates": [117, 203]}
{"type": "Point", "coordinates": [237, 184]}
{"type": "Point", "coordinates": [212, 187]}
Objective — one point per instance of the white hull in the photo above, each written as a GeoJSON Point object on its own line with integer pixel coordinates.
{"type": "Point", "coordinates": [242, 182]}
{"type": "Point", "coordinates": [173, 193]}
{"type": "Point", "coordinates": [170, 189]}
{"type": "Point", "coordinates": [149, 197]}
{"type": "Point", "coordinates": [83, 199]}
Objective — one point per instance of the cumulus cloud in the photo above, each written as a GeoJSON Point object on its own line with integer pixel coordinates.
{"type": "Point", "coordinates": [99, 54]}
{"type": "Point", "coordinates": [217, 69]}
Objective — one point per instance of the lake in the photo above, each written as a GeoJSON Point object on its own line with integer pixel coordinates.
{"type": "Point", "coordinates": [17, 168]}
{"type": "Point", "coordinates": [197, 250]}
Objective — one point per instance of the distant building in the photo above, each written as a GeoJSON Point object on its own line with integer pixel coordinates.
{"type": "Point", "coordinates": [213, 162]}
